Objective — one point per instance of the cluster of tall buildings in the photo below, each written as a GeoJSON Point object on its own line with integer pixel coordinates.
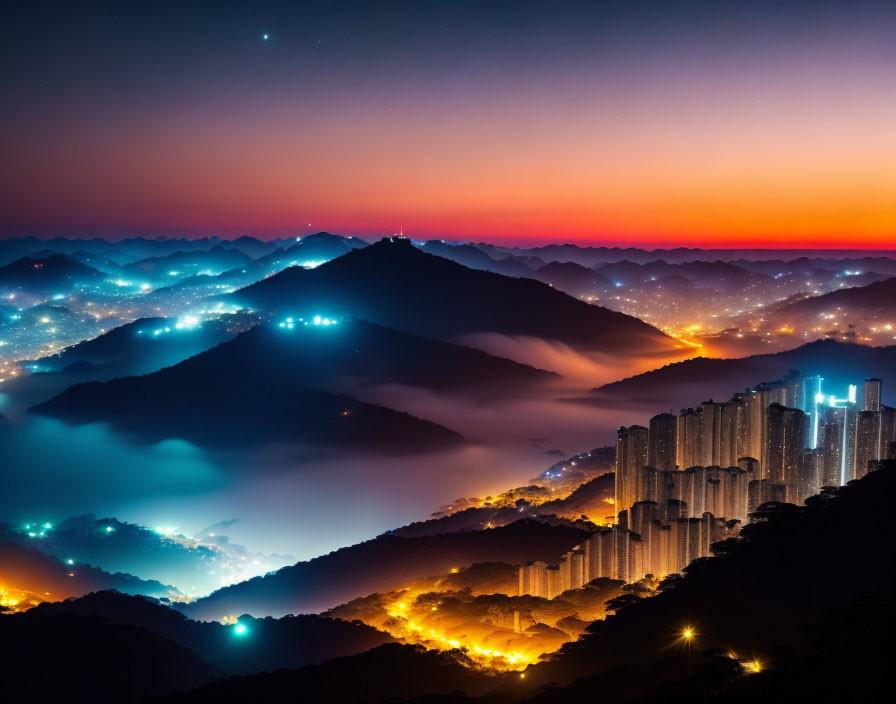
{"type": "Point", "coordinates": [687, 481]}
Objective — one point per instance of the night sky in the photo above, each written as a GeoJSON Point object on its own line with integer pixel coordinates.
{"type": "Point", "coordinates": [666, 123]}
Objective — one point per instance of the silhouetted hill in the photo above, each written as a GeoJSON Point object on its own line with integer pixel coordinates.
{"type": "Point", "coordinates": [75, 658]}
{"type": "Point", "coordinates": [395, 284]}
{"type": "Point", "coordinates": [268, 644]}
{"type": "Point", "coordinates": [381, 564]}
{"type": "Point", "coordinates": [135, 348]}
{"type": "Point", "coordinates": [858, 302]}
{"type": "Point", "coordinates": [694, 380]}
{"type": "Point", "coordinates": [56, 272]}
{"type": "Point", "coordinates": [198, 564]}
{"type": "Point", "coordinates": [130, 349]}
{"type": "Point", "coordinates": [29, 569]}
{"type": "Point", "coordinates": [275, 368]}
{"type": "Point", "coordinates": [125, 548]}
{"type": "Point", "coordinates": [590, 499]}
{"type": "Point", "coordinates": [370, 354]}
{"type": "Point", "coordinates": [97, 261]}
{"type": "Point", "coordinates": [317, 355]}
{"type": "Point", "coordinates": [164, 405]}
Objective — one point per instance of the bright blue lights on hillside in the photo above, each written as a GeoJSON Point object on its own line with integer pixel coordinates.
{"type": "Point", "coordinates": [316, 321]}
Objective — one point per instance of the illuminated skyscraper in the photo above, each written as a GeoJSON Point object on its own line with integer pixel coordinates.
{"type": "Point", "coordinates": [757, 403]}
{"type": "Point", "coordinates": [553, 581]}
{"type": "Point", "coordinates": [661, 447]}
{"type": "Point", "coordinates": [734, 430]}
{"type": "Point", "coordinates": [690, 438]}
{"type": "Point", "coordinates": [837, 439]}
{"type": "Point", "coordinates": [533, 579]}
{"type": "Point", "coordinates": [609, 554]}
{"type": "Point", "coordinates": [786, 438]}
{"type": "Point", "coordinates": [631, 457]}
{"type": "Point", "coordinates": [813, 399]}
{"type": "Point", "coordinates": [887, 428]}
{"type": "Point", "coordinates": [872, 394]}
{"type": "Point", "coordinates": [809, 483]}
{"type": "Point", "coordinates": [867, 441]}
{"type": "Point", "coordinates": [794, 386]}
{"type": "Point", "coordinates": [572, 569]}
{"type": "Point", "coordinates": [735, 486]}
{"type": "Point", "coordinates": [711, 434]}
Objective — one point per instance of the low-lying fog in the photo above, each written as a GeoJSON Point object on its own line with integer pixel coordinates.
{"type": "Point", "coordinates": [309, 502]}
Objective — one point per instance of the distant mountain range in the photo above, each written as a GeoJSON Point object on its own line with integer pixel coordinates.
{"type": "Point", "coordinates": [216, 260]}
{"type": "Point", "coordinates": [133, 248]}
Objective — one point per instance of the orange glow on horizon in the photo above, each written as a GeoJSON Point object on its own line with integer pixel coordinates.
{"type": "Point", "coordinates": [721, 160]}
